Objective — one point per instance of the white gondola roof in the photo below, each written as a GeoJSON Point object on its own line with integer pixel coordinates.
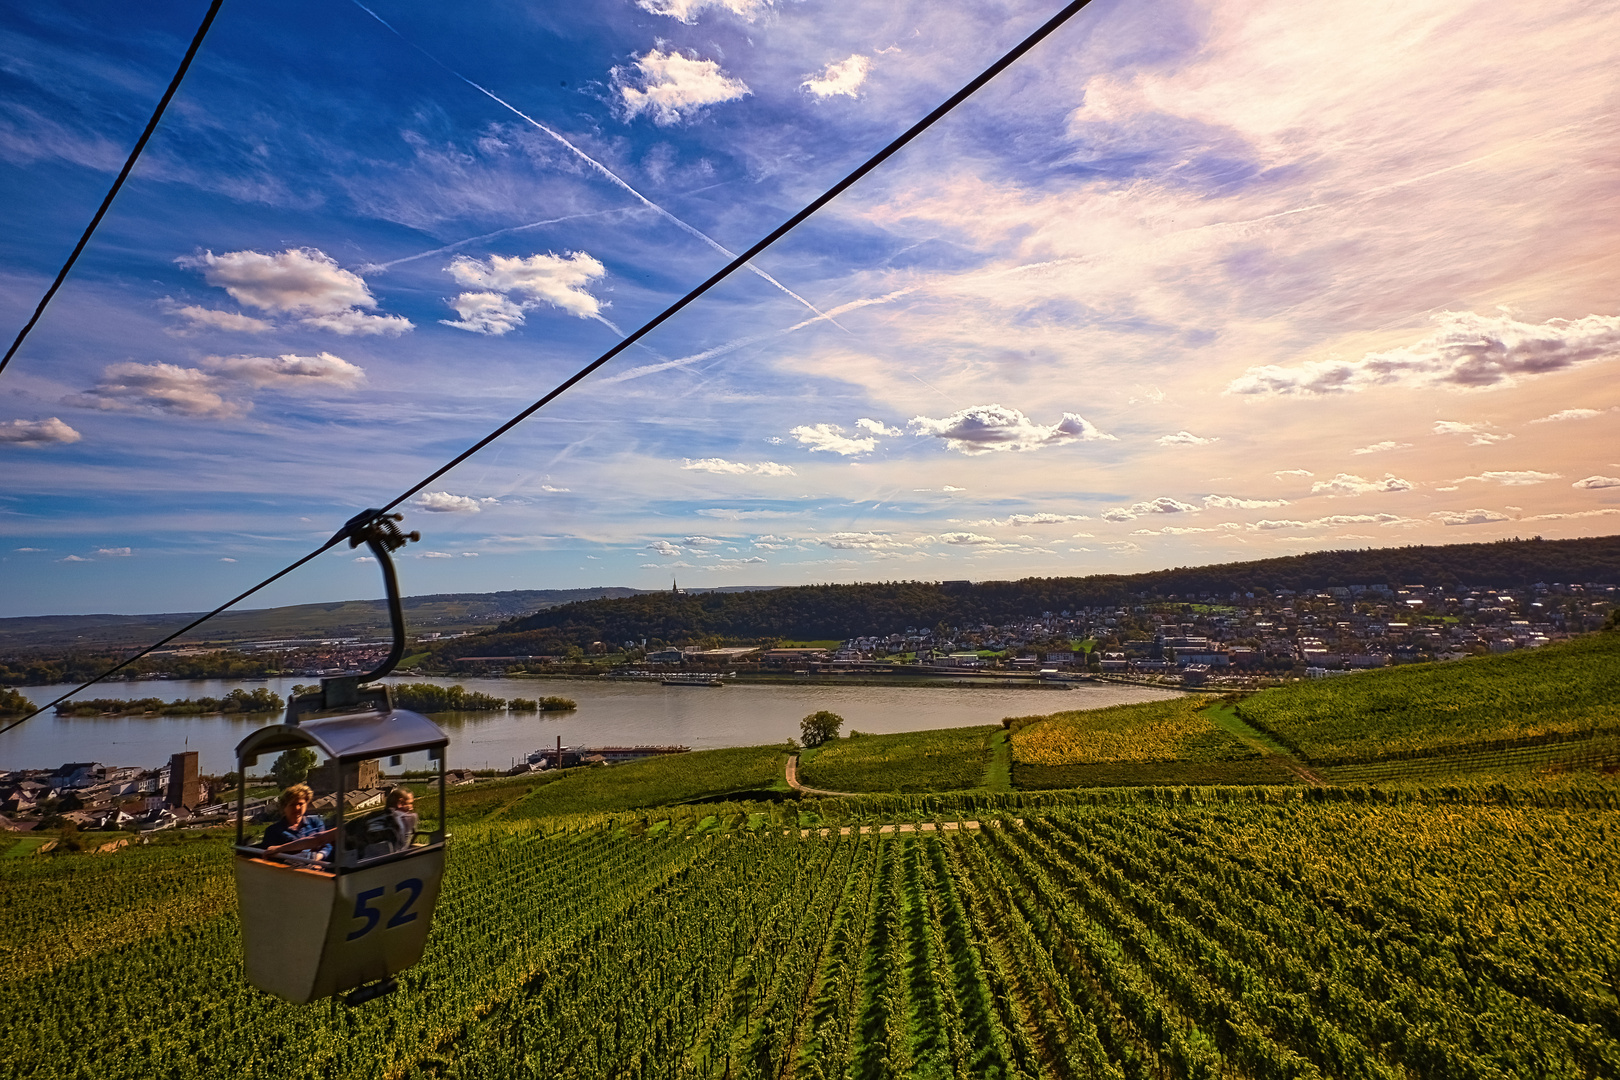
{"type": "Point", "coordinates": [354, 735]}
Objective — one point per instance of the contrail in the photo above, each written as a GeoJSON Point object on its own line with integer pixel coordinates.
{"type": "Point", "coordinates": [372, 268]}
{"type": "Point", "coordinates": [608, 173]}
{"type": "Point", "coordinates": [743, 342]}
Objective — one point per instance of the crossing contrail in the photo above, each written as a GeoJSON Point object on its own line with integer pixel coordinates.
{"type": "Point", "coordinates": [372, 268]}
{"type": "Point", "coordinates": [606, 172]}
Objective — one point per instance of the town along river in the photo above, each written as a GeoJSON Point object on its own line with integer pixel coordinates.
{"type": "Point", "coordinates": [610, 713]}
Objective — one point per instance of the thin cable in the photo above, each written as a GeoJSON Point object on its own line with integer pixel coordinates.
{"type": "Point", "coordinates": [735, 264]}
{"type": "Point", "coordinates": [151, 126]}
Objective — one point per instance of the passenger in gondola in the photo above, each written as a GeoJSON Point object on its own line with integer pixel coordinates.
{"type": "Point", "coordinates": [298, 830]}
{"type": "Point", "coordinates": [402, 817]}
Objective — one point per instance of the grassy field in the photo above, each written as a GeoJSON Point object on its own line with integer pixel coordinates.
{"type": "Point", "coordinates": [738, 772]}
{"type": "Point", "coordinates": [947, 760]}
{"type": "Point", "coordinates": [1157, 742]}
{"type": "Point", "coordinates": [1549, 693]}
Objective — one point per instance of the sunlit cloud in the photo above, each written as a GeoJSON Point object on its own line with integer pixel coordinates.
{"type": "Point", "coordinates": [1161, 505]}
{"type": "Point", "coordinates": [843, 77]}
{"type": "Point", "coordinates": [831, 439]}
{"type": "Point", "coordinates": [1468, 517]}
{"type": "Point", "coordinates": [984, 429]}
{"type": "Point", "coordinates": [671, 86]}
{"type": "Point", "coordinates": [48, 432]}
{"type": "Point", "coordinates": [1520, 478]}
{"type": "Point", "coordinates": [1467, 352]}
{"type": "Point", "coordinates": [1349, 484]}
{"type": "Point", "coordinates": [1478, 434]}
{"type": "Point", "coordinates": [1382, 447]}
{"type": "Point", "coordinates": [1184, 438]}
{"type": "Point", "coordinates": [1593, 483]}
{"type": "Point", "coordinates": [305, 283]}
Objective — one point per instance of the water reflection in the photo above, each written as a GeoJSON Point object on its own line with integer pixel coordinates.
{"type": "Point", "coordinates": [610, 713]}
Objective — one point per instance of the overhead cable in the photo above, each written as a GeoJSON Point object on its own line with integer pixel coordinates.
{"type": "Point", "coordinates": [720, 275]}
{"type": "Point", "coordinates": [123, 174]}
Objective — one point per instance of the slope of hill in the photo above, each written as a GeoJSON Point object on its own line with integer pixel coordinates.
{"type": "Point", "coordinates": [443, 612]}
{"type": "Point", "coordinates": [814, 612]}
{"type": "Point", "coordinates": [1549, 694]}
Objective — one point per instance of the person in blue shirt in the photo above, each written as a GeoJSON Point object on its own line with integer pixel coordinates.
{"type": "Point", "coordinates": [298, 830]}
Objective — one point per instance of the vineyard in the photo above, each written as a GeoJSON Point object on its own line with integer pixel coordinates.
{"type": "Point", "coordinates": [1541, 695]}
{"type": "Point", "coordinates": [1217, 932]}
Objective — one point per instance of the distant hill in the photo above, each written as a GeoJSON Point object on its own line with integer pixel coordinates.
{"type": "Point", "coordinates": [443, 612]}
{"type": "Point", "coordinates": [814, 612]}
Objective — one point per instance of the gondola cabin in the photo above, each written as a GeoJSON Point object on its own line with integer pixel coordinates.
{"type": "Point", "coordinates": [357, 912]}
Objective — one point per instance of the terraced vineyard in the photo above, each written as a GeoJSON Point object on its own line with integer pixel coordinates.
{"type": "Point", "coordinates": [1219, 932]}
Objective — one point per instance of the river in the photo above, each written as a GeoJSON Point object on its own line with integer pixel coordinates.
{"type": "Point", "coordinates": [611, 713]}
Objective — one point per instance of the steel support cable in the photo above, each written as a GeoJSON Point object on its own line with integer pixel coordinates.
{"type": "Point", "coordinates": [151, 126]}
{"type": "Point", "coordinates": [720, 275]}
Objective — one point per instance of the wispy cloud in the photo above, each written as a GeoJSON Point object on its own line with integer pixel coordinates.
{"type": "Point", "coordinates": [1184, 438]}
{"type": "Point", "coordinates": [1382, 447]}
{"type": "Point", "coordinates": [737, 468]}
{"type": "Point", "coordinates": [1511, 478]}
{"type": "Point", "coordinates": [1593, 483]}
{"type": "Point", "coordinates": [1468, 517]}
{"type": "Point", "coordinates": [1478, 434]}
{"type": "Point", "coordinates": [1161, 505]}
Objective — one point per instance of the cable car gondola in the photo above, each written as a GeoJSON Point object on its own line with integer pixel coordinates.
{"type": "Point", "coordinates": [352, 921]}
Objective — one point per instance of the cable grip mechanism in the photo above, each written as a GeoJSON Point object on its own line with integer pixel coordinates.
{"type": "Point", "coordinates": [381, 533]}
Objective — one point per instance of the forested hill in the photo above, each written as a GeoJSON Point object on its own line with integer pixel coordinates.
{"type": "Point", "coordinates": [841, 611]}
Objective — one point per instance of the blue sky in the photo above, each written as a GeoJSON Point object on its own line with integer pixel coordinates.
{"type": "Point", "coordinates": [1191, 283]}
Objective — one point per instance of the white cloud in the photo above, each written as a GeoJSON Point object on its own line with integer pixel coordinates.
{"type": "Point", "coordinates": [1592, 483]}
{"type": "Point", "coordinates": [1522, 478]}
{"type": "Point", "coordinates": [877, 427]}
{"type": "Point", "coordinates": [671, 86]}
{"type": "Point", "coordinates": [288, 372]}
{"type": "Point", "coordinates": [841, 77]}
{"type": "Point", "coordinates": [965, 538]}
{"type": "Point", "coordinates": [209, 318]}
{"type": "Point", "coordinates": [115, 552]}
{"type": "Point", "coordinates": [862, 541]}
{"type": "Point", "coordinates": [434, 555]}
{"type": "Point", "coordinates": [303, 282]}
{"type": "Point", "coordinates": [1468, 517]}
{"type": "Point", "coordinates": [831, 438]}
{"type": "Point", "coordinates": [1185, 438]}
{"type": "Point", "coordinates": [443, 502]}
{"type": "Point", "coordinates": [1232, 502]}
{"type": "Point", "coordinates": [1293, 472]}
{"type": "Point", "coordinates": [737, 468]}
{"type": "Point", "coordinates": [982, 429]}
{"type": "Point", "coordinates": [474, 555]}
{"type": "Point", "coordinates": [1333, 521]}
{"type": "Point", "coordinates": [73, 558]}
{"type": "Point", "coordinates": [1348, 484]}
{"type": "Point", "coordinates": [1479, 434]}
{"type": "Point", "coordinates": [227, 559]}
{"type": "Point", "coordinates": [558, 280]}
{"type": "Point", "coordinates": [687, 10]}
{"type": "Point", "coordinates": [1577, 514]}
{"type": "Point", "coordinates": [485, 313]}
{"type": "Point", "coordinates": [159, 388]}
{"type": "Point", "coordinates": [948, 488]}
{"type": "Point", "coordinates": [703, 541]}
{"type": "Point", "coordinates": [554, 489]}
{"type": "Point", "coordinates": [664, 548]}
{"type": "Point", "coordinates": [1161, 505]}
{"type": "Point", "coordinates": [1382, 447]}
{"type": "Point", "coordinates": [1467, 352]}
{"type": "Point", "coordinates": [1169, 530]}
{"type": "Point", "coordinates": [48, 432]}
{"type": "Point", "coordinates": [1568, 414]}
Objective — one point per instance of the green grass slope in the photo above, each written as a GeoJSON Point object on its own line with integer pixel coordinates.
{"type": "Point", "coordinates": [1155, 742]}
{"type": "Point", "coordinates": [950, 759]}
{"type": "Point", "coordinates": [1548, 694]}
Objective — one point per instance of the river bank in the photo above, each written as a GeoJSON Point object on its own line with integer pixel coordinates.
{"type": "Point", "coordinates": [611, 712]}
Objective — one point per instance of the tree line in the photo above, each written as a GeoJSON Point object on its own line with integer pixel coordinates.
{"type": "Point", "coordinates": [812, 612]}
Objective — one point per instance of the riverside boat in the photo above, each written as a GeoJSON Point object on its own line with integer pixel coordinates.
{"type": "Point", "coordinates": [693, 680]}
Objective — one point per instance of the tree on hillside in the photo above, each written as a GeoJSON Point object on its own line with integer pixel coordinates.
{"type": "Point", "coordinates": [818, 727]}
{"type": "Point", "coordinates": [293, 766]}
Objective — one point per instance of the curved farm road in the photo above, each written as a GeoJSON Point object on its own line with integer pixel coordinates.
{"type": "Point", "coordinates": [793, 780]}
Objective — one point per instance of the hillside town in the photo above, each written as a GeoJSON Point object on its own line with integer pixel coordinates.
{"type": "Point", "coordinates": [1207, 640]}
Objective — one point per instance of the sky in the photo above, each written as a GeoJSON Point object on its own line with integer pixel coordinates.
{"type": "Point", "coordinates": [1190, 283]}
